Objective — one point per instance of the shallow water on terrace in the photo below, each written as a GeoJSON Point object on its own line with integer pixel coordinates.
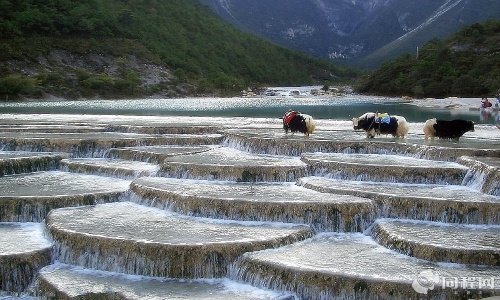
{"type": "Point", "coordinates": [366, 259]}
{"type": "Point", "coordinates": [227, 156]}
{"type": "Point", "coordinates": [468, 237]}
{"type": "Point", "coordinates": [75, 281]}
{"type": "Point", "coordinates": [266, 192]}
{"type": "Point", "coordinates": [113, 163]}
{"type": "Point", "coordinates": [167, 150]}
{"type": "Point", "coordinates": [30, 234]}
{"type": "Point", "coordinates": [70, 136]}
{"type": "Point", "coordinates": [20, 154]}
{"type": "Point", "coordinates": [379, 159]}
{"type": "Point", "coordinates": [431, 191]}
{"type": "Point", "coordinates": [58, 183]}
{"type": "Point", "coordinates": [127, 220]}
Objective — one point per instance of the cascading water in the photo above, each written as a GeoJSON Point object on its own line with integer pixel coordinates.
{"type": "Point", "coordinates": [172, 201]}
{"type": "Point", "coordinates": [484, 175]}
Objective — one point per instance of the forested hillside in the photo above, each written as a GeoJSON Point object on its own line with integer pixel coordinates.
{"type": "Point", "coordinates": [467, 64]}
{"type": "Point", "coordinates": [129, 48]}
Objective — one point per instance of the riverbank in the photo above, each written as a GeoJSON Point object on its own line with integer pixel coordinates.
{"type": "Point", "coordinates": [471, 104]}
{"type": "Point", "coordinates": [463, 106]}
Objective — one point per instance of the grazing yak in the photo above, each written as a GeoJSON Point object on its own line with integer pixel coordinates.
{"type": "Point", "coordinates": [381, 123]}
{"type": "Point", "coordinates": [443, 129]}
{"type": "Point", "coordinates": [297, 121]}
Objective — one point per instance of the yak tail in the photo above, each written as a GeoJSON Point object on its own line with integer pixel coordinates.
{"type": "Point", "coordinates": [310, 124]}
{"type": "Point", "coordinates": [403, 127]}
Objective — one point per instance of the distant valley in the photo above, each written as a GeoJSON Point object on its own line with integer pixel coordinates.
{"type": "Point", "coordinates": [358, 33]}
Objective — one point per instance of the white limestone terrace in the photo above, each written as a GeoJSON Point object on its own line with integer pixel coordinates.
{"type": "Point", "coordinates": [380, 167]}
{"type": "Point", "coordinates": [463, 244]}
{"type": "Point", "coordinates": [14, 162]}
{"type": "Point", "coordinates": [76, 282]}
{"type": "Point", "coordinates": [378, 160]}
{"type": "Point", "coordinates": [109, 167]}
{"type": "Point", "coordinates": [231, 157]}
{"type": "Point", "coordinates": [131, 238]}
{"type": "Point", "coordinates": [275, 202]}
{"type": "Point", "coordinates": [482, 131]}
{"type": "Point", "coordinates": [224, 163]}
{"type": "Point", "coordinates": [353, 266]}
{"type": "Point", "coordinates": [72, 128]}
{"type": "Point", "coordinates": [442, 203]}
{"type": "Point", "coordinates": [134, 239]}
{"type": "Point", "coordinates": [155, 154]}
{"type": "Point", "coordinates": [23, 252]}
{"type": "Point", "coordinates": [95, 142]}
{"type": "Point", "coordinates": [53, 183]}
{"type": "Point", "coordinates": [6, 155]}
{"type": "Point", "coordinates": [30, 196]}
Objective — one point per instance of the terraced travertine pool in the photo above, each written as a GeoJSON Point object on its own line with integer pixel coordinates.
{"type": "Point", "coordinates": [156, 207]}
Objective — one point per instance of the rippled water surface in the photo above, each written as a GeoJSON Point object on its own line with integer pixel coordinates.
{"type": "Point", "coordinates": [319, 107]}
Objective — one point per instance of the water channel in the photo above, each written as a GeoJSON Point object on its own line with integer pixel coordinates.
{"type": "Point", "coordinates": [208, 198]}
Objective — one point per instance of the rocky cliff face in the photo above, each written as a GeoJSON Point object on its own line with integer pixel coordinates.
{"type": "Point", "coordinates": [353, 29]}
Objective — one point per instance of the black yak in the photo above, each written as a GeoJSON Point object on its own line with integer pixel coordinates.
{"type": "Point", "coordinates": [443, 129]}
{"type": "Point", "coordinates": [294, 121]}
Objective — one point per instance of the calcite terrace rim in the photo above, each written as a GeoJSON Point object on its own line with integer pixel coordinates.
{"type": "Point", "coordinates": [307, 279]}
{"type": "Point", "coordinates": [427, 249]}
{"type": "Point", "coordinates": [134, 254]}
{"type": "Point", "coordinates": [297, 146]}
{"type": "Point", "coordinates": [161, 286]}
{"type": "Point", "coordinates": [19, 267]}
{"type": "Point", "coordinates": [51, 224]}
{"type": "Point", "coordinates": [343, 213]}
{"type": "Point", "coordinates": [396, 205]}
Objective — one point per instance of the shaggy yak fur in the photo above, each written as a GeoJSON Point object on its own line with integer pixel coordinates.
{"type": "Point", "coordinates": [294, 121]}
{"type": "Point", "coordinates": [443, 129]}
{"type": "Point", "coordinates": [373, 124]}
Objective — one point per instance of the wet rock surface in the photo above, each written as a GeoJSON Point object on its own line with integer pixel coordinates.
{"type": "Point", "coordinates": [70, 282]}
{"type": "Point", "coordinates": [29, 197]}
{"type": "Point", "coordinates": [109, 167]}
{"type": "Point", "coordinates": [23, 252]}
{"type": "Point", "coordinates": [367, 270]}
{"type": "Point", "coordinates": [380, 167]}
{"type": "Point", "coordinates": [129, 238]}
{"type": "Point", "coordinates": [275, 202]}
{"type": "Point", "coordinates": [463, 244]}
{"type": "Point", "coordinates": [137, 208]}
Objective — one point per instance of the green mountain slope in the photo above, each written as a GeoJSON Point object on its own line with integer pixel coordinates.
{"type": "Point", "coordinates": [129, 48]}
{"type": "Point", "coordinates": [466, 64]}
